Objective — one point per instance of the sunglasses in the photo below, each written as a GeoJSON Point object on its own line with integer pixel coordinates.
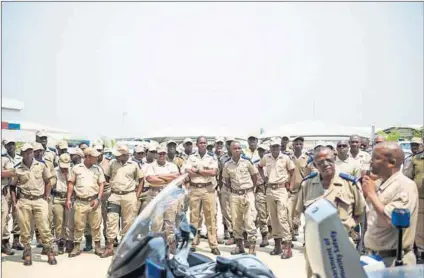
{"type": "Point", "coordinates": [341, 146]}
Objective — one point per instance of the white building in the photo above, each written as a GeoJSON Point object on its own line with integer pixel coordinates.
{"type": "Point", "coordinates": [11, 118]}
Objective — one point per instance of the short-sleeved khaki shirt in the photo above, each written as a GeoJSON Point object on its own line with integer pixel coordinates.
{"type": "Point", "coordinates": [207, 162]}
{"type": "Point", "coordinates": [301, 169]}
{"type": "Point", "coordinates": [363, 158]}
{"type": "Point", "coordinates": [86, 180]}
{"type": "Point", "coordinates": [239, 173]}
{"type": "Point", "coordinates": [155, 169]}
{"type": "Point", "coordinates": [349, 166]}
{"type": "Point", "coordinates": [124, 177]}
{"type": "Point", "coordinates": [253, 156]}
{"type": "Point", "coordinates": [6, 164]}
{"type": "Point", "coordinates": [398, 191]}
{"type": "Point", "coordinates": [415, 171]}
{"type": "Point", "coordinates": [341, 193]}
{"type": "Point", "coordinates": [277, 169]}
{"type": "Point", "coordinates": [31, 181]}
{"type": "Point", "coordinates": [62, 181]}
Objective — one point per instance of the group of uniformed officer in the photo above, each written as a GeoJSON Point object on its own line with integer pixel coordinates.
{"type": "Point", "coordinates": [265, 187]}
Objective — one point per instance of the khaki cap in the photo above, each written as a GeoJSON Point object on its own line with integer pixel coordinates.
{"type": "Point", "coordinates": [38, 147]}
{"type": "Point", "coordinates": [417, 140]}
{"type": "Point", "coordinates": [252, 136]}
{"type": "Point", "coordinates": [139, 149]}
{"type": "Point", "coordinates": [5, 142]}
{"type": "Point", "coordinates": [263, 147]}
{"type": "Point", "coordinates": [219, 139]}
{"type": "Point", "coordinates": [27, 146]}
{"type": "Point", "coordinates": [91, 152]}
{"type": "Point", "coordinates": [276, 142]}
{"type": "Point", "coordinates": [62, 145]}
{"type": "Point", "coordinates": [64, 160]}
{"type": "Point", "coordinates": [187, 140]}
{"type": "Point", "coordinates": [121, 150]}
{"type": "Point", "coordinates": [161, 150]}
{"type": "Point", "coordinates": [152, 147]}
{"type": "Point", "coordinates": [170, 142]}
{"type": "Point", "coordinates": [41, 133]}
{"type": "Point", "coordinates": [77, 151]}
{"type": "Point", "coordinates": [230, 138]}
{"type": "Point", "coordinates": [98, 147]}
{"type": "Point", "coordinates": [299, 138]}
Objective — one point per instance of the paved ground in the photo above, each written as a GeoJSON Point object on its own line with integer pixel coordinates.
{"type": "Point", "coordinates": [89, 265]}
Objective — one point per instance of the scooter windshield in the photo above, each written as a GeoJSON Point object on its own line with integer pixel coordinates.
{"type": "Point", "coordinates": [136, 236]}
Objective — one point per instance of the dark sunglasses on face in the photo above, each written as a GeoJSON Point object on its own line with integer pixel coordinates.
{"type": "Point", "coordinates": [341, 146]}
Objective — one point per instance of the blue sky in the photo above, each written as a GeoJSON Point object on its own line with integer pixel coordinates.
{"type": "Point", "coordinates": [80, 66]}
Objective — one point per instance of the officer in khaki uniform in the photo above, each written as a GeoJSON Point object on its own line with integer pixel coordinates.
{"type": "Point", "coordinates": [125, 177]}
{"type": "Point", "coordinates": [150, 158]}
{"type": "Point", "coordinates": [172, 156]}
{"type": "Point", "coordinates": [33, 181]}
{"type": "Point", "coordinates": [87, 180]}
{"type": "Point", "coordinates": [224, 194]}
{"type": "Point", "coordinates": [330, 185]}
{"type": "Point", "coordinates": [7, 171]}
{"type": "Point", "coordinates": [279, 169]}
{"type": "Point", "coordinates": [241, 175]}
{"type": "Point", "coordinates": [158, 174]}
{"type": "Point", "coordinates": [391, 190]}
{"type": "Point", "coordinates": [202, 168]}
{"type": "Point", "coordinates": [260, 198]}
{"type": "Point", "coordinates": [357, 154]}
{"type": "Point", "coordinates": [63, 218]}
{"type": "Point", "coordinates": [301, 170]}
{"type": "Point", "coordinates": [415, 171]}
{"type": "Point", "coordinates": [346, 163]}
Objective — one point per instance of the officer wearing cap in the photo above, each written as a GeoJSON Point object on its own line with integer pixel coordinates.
{"type": "Point", "coordinates": [346, 163]}
{"type": "Point", "coordinates": [10, 158]}
{"type": "Point", "coordinates": [330, 185]}
{"type": "Point", "coordinates": [279, 170]}
{"type": "Point", "coordinates": [77, 156]}
{"type": "Point", "coordinates": [260, 198]}
{"type": "Point", "coordinates": [171, 145]}
{"type": "Point", "coordinates": [38, 155]}
{"type": "Point", "coordinates": [142, 192]}
{"type": "Point", "coordinates": [252, 151]}
{"type": "Point", "coordinates": [87, 180]}
{"type": "Point", "coordinates": [41, 137]}
{"type": "Point", "coordinates": [7, 171]}
{"type": "Point", "coordinates": [63, 218]}
{"type": "Point", "coordinates": [158, 174]}
{"type": "Point", "coordinates": [415, 171]}
{"type": "Point", "coordinates": [139, 154]}
{"type": "Point", "coordinates": [301, 160]}
{"type": "Point", "coordinates": [32, 178]}
{"type": "Point", "coordinates": [188, 148]}
{"type": "Point", "coordinates": [62, 147]}
{"type": "Point", "coordinates": [202, 167]}
{"type": "Point", "coordinates": [225, 193]}
{"type": "Point", "coordinates": [241, 175]}
{"type": "Point", "coordinates": [219, 147]}
{"type": "Point", "coordinates": [125, 176]}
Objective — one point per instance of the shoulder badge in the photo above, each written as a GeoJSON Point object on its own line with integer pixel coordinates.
{"type": "Point", "coordinates": [246, 158]}
{"type": "Point", "coordinates": [17, 165]}
{"type": "Point", "coordinates": [348, 177]}
{"type": "Point", "coordinates": [310, 176]}
{"type": "Point", "coordinates": [256, 161]}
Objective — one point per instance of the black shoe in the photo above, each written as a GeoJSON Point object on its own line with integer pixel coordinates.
{"type": "Point", "coordinates": [215, 251]}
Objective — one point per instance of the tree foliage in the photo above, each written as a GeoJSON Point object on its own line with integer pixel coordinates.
{"type": "Point", "coordinates": [392, 136]}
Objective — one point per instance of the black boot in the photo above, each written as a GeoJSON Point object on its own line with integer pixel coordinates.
{"type": "Point", "coordinates": [264, 240]}
{"type": "Point", "coordinates": [27, 256]}
{"type": "Point", "coordinates": [239, 249]}
{"type": "Point", "coordinates": [16, 244]}
{"type": "Point", "coordinates": [115, 242]}
{"type": "Point", "coordinates": [246, 243]}
{"type": "Point", "coordinates": [88, 243]}
{"type": "Point", "coordinates": [277, 248]}
{"type": "Point", "coordinates": [5, 247]}
{"type": "Point", "coordinates": [61, 246]}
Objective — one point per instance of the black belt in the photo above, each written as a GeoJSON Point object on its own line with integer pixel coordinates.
{"type": "Point", "coordinates": [145, 189]}
{"type": "Point", "coordinates": [276, 185]}
{"type": "Point", "coordinates": [60, 194]}
{"type": "Point", "coordinates": [88, 199]}
{"type": "Point", "coordinates": [241, 191]}
{"type": "Point", "coordinates": [29, 197]}
{"type": "Point", "coordinates": [388, 253]}
{"type": "Point", "coordinates": [200, 185]}
{"type": "Point", "coordinates": [122, 192]}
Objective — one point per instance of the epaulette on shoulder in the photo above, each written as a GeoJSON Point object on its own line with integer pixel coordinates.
{"type": "Point", "coordinates": [256, 161]}
{"type": "Point", "coordinates": [310, 176]}
{"type": "Point", "coordinates": [228, 159]}
{"type": "Point", "coordinates": [348, 177]}
{"type": "Point", "coordinates": [17, 165]}
{"type": "Point", "coordinates": [52, 149]}
{"type": "Point", "coordinates": [246, 158]}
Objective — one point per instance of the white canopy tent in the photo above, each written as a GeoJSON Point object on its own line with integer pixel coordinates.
{"type": "Point", "coordinates": [317, 129]}
{"type": "Point", "coordinates": [178, 133]}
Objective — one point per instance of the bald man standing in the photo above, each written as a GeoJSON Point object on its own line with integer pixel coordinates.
{"type": "Point", "coordinates": [392, 190]}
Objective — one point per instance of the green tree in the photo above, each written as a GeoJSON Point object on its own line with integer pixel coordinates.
{"type": "Point", "coordinates": [392, 136]}
{"type": "Point", "coordinates": [419, 132]}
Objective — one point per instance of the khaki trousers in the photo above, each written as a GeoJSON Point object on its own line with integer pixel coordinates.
{"type": "Point", "coordinates": [14, 215]}
{"type": "Point", "coordinates": [63, 219]}
{"type": "Point", "coordinates": [166, 220]}
{"type": "Point", "coordinates": [224, 199]}
{"type": "Point", "coordinates": [419, 236]}
{"type": "Point", "coordinates": [294, 220]}
{"type": "Point", "coordinates": [84, 214]}
{"type": "Point", "coordinates": [4, 213]}
{"type": "Point", "coordinates": [243, 213]}
{"type": "Point", "coordinates": [277, 201]}
{"type": "Point", "coordinates": [204, 198]}
{"type": "Point", "coordinates": [128, 205]}
{"type": "Point", "coordinates": [38, 211]}
{"type": "Point", "coordinates": [262, 210]}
